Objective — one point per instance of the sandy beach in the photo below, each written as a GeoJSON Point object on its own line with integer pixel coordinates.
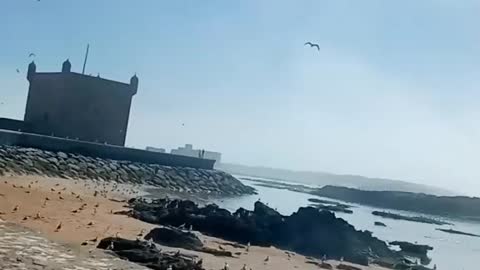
{"type": "Point", "coordinates": [70, 212]}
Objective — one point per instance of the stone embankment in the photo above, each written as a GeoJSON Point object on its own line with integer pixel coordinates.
{"type": "Point", "coordinates": [29, 161]}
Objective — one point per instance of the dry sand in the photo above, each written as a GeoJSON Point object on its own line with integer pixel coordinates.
{"type": "Point", "coordinates": [23, 200]}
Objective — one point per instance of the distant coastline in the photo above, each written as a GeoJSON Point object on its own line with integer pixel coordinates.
{"type": "Point", "coordinates": [322, 179]}
{"type": "Point", "coordinates": [456, 207]}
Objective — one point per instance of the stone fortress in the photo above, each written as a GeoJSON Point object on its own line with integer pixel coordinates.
{"type": "Point", "coordinates": [67, 104]}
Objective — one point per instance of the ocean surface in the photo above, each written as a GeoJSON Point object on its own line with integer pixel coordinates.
{"type": "Point", "coordinates": [450, 251]}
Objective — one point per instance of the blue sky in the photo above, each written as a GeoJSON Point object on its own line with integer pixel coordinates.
{"type": "Point", "coordinates": [394, 91]}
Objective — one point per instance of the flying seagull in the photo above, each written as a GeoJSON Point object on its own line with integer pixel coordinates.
{"type": "Point", "coordinates": [31, 55]}
{"type": "Point", "coordinates": [312, 45]}
{"type": "Point", "coordinates": [18, 70]}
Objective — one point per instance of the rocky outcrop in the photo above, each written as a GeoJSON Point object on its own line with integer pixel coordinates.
{"type": "Point", "coordinates": [148, 255]}
{"type": "Point", "coordinates": [174, 238]}
{"type": "Point", "coordinates": [347, 267]}
{"type": "Point", "coordinates": [308, 231]}
{"type": "Point", "coordinates": [448, 206]}
{"type": "Point", "coordinates": [457, 232]}
{"type": "Point", "coordinates": [412, 248]}
{"type": "Point", "coordinates": [409, 218]}
{"type": "Point", "coordinates": [30, 161]}
{"type": "Point", "coordinates": [333, 208]}
{"type": "Point", "coordinates": [378, 223]}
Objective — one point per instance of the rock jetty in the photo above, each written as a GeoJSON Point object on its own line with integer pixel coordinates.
{"type": "Point", "coordinates": [29, 161]}
{"type": "Point", "coordinates": [409, 218]}
{"type": "Point", "coordinates": [457, 232]}
{"type": "Point", "coordinates": [308, 231]}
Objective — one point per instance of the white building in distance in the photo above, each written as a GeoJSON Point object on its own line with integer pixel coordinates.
{"type": "Point", "coordinates": [155, 149]}
{"type": "Point", "coordinates": [189, 151]}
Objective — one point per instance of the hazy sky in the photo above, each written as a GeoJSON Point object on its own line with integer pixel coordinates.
{"type": "Point", "coordinates": [394, 92]}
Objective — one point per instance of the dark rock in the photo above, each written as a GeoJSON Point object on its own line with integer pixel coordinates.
{"type": "Point", "coordinates": [322, 265]}
{"type": "Point", "coordinates": [307, 231]}
{"type": "Point", "coordinates": [174, 238]}
{"type": "Point", "coordinates": [333, 208]}
{"type": "Point", "coordinates": [378, 223]}
{"type": "Point", "coordinates": [347, 267]}
{"type": "Point", "coordinates": [412, 248]}
{"type": "Point", "coordinates": [146, 255]}
{"type": "Point", "coordinates": [449, 206]}
{"type": "Point", "coordinates": [457, 232]}
{"type": "Point", "coordinates": [408, 218]}
{"type": "Point", "coordinates": [216, 252]}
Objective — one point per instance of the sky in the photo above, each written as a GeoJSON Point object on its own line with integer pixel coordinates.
{"type": "Point", "coordinates": [394, 91]}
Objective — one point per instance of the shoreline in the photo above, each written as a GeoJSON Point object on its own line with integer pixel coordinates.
{"type": "Point", "coordinates": [28, 207]}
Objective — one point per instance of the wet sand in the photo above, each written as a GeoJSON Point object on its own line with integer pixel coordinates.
{"type": "Point", "coordinates": [82, 210]}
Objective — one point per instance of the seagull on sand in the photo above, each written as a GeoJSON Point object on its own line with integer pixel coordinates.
{"type": "Point", "coordinates": [225, 267]}
{"type": "Point", "coordinates": [94, 240]}
{"type": "Point", "coordinates": [312, 45]}
{"type": "Point", "coordinates": [141, 233]}
{"type": "Point", "coordinates": [59, 226]}
{"type": "Point", "coordinates": [267, 259]}
{"type": "Point", "coordinates": [244, 267]}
